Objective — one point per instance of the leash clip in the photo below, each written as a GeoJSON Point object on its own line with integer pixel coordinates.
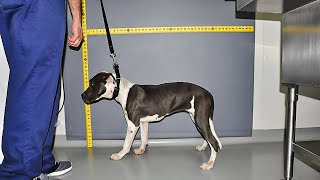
{"type": "Point", "coordinates": [113, 56]}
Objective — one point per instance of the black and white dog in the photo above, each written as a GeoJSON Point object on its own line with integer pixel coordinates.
{"type": "Point", "coordinates": [142, 104]}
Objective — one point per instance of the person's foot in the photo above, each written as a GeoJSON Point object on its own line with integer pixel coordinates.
{"type": "Point", "coordinates": [60, 168]}
{"type": "Point", "coordinates": [44, 177]}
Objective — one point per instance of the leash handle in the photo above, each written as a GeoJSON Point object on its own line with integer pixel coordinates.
{"type": "Point", "coordinates": [112, 54]}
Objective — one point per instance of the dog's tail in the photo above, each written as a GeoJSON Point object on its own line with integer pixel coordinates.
{"type": "Point", "coordinates": [211, 107]}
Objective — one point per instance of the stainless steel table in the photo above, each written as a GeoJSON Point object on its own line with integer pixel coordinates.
{"type": "Point", "coordinates": [300, 66]}
{"type": "Point", "coordinates": [307, 152]}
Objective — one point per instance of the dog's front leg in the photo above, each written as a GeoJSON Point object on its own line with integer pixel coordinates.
{"type": "Point", "coordinates": [144, 138]}
{"type": "Point", "coordinates": [131, 133]}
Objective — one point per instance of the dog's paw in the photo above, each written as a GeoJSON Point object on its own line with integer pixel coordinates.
{"type": "Point", "coordinates": [138, 151]}
{"type": "Point", "coordinates": [115, 157]}
{"type": "Point", "coordinates": [200, 148]}
{"type": "Point", "coordinates": [207, 166]}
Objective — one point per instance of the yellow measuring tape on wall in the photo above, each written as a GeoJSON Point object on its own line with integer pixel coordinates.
{"type": "Point", "coordinates": [173, 29]}
{"type": "Point", "coordinates": [85, 70]}
{"type": "Point", "coordinates": [139, 30]}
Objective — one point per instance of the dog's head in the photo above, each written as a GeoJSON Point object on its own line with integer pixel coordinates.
{"type": "Point", "coordinates": [100, 86]}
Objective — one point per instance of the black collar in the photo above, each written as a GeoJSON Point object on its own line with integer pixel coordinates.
{"type": "Point", "coordinates": [117, 79]}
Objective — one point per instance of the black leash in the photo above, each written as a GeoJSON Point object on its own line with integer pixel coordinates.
{"type": "Point", "coordinates": [112, 53]}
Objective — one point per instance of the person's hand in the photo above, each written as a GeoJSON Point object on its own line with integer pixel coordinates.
{"type": "Point", "coordinates": [75, 39]}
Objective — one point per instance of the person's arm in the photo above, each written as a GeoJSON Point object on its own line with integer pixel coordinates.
{"type": "Point", "coordinates": [76, 29]}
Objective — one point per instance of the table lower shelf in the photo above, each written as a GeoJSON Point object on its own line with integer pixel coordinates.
{"type": "Point", "coordinates": [308, 152]}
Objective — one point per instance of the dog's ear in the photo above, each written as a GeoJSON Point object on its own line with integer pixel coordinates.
{"type": "Point", "coordinates": [110, 79]}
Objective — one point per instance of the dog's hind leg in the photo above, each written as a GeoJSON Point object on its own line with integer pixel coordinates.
{"type": "Point", "coordinates": [205, 143]}
{"type": "Point", "coordinates": [213, 141]}
{"type": "Point", "coordinates": [144, 138]}
{"type": "Point", "coordinates": [214, 133]}
{"type": "Point", "coordinates": [205, 126]}
{"type": "Point", "coordinates": [131, 133]}
{"type": "Point", "coordinates": [202, 147]}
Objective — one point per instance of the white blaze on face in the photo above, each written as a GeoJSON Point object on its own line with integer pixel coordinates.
{"type": "Point", "coordinates": [109, 88]}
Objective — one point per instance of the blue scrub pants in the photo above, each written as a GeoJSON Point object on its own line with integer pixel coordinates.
{"type": "Point", "coordinates": [33, 34]}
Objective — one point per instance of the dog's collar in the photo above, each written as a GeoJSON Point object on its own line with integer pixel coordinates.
{"type": "Point", "coordinates": [117, 80]}
{"type": "Point", "coordinates": [115, 93]}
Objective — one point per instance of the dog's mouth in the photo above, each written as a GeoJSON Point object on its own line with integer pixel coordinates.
{"type": "Point", "coordinates": [85, 99]}
{"type": "Point", "coordinates": [89, 100]}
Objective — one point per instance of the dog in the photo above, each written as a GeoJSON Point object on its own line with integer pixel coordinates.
{"type": "Point", "coordinates": [142, 104]}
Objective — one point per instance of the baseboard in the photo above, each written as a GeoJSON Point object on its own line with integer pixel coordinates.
{"type": "Point", "coordinates": [258, 136]}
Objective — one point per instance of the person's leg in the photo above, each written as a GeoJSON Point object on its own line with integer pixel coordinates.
{"type": "Point", "coordinates": [34, 36]}
{"type": "Point", "coordinates": [8, 44]}
{"type": "Point", "coordinates": [48, 157]}
{"type": "Point", "coordinates": [51, 167]}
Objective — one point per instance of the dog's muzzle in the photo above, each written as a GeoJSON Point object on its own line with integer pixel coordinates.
{"type": "Point", "coordinates": [87, 96]}
{"type": "Point", "coordinates": [85, 99]}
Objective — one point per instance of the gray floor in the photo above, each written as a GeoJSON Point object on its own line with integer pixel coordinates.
{"type": "Point", "coordinates": [259, 161]}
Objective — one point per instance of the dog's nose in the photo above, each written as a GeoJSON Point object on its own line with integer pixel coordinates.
{"type": "Point", "coordinates": [85, 100]}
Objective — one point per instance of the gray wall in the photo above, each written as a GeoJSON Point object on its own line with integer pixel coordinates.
{"type": "Point", "coordinates": [220, 62]}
